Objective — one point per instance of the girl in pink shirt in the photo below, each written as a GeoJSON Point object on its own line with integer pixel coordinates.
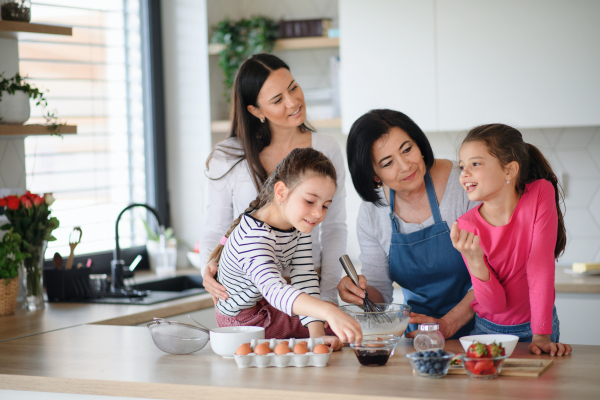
{"type": "Point", "coordinates": [510, 242]}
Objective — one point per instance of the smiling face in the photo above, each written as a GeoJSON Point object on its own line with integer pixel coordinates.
{"type": "Point", "coordinates": [397, 161]}
{"type": "Point", "coordinates": [280, 101]}
{"type": "Point", "coordinates": [482, 176]}
{"type": "Point", "coordinates": [305, 206]}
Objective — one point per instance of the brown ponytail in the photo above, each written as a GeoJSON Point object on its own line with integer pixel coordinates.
{"type": "Point", "coordinates": [507, 145]}
{"type": "Point", "coordinates": [291, 171]}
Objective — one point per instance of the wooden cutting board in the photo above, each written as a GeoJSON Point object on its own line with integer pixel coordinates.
{"type": "Point", "coordinates": [514, 367]}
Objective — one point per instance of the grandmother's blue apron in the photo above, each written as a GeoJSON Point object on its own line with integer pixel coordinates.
{"type": "Point", "coordinates": [431, 272]}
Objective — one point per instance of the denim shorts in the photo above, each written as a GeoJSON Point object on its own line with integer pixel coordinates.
{"type": "Point", "coordinates": [523, 331]}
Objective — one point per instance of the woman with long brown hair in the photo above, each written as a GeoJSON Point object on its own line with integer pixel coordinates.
{"type": "Point", "coordinates": [268, 121]}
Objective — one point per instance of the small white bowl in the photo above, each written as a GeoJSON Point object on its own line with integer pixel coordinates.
{"type": "Point", "coordinates": [194, 259]}
{"type": "Point", "coordinates": [509, 342]}
{"type": "Point", "coordinates": [226, 340]}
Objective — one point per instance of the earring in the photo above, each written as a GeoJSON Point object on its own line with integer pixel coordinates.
{"type": "Point", "coordinates": [377, 185]}
{"type": "Point", "coordinates": [262, 120]}
{"type": "Point", "coordinates": [507, 182]}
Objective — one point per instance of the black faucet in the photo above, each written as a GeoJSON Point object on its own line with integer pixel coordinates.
{"type": "Point", "coordinates": [117, 265]}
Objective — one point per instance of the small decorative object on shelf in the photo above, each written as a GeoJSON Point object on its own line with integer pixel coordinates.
{"type": "Point", "coordinates": [15, 93]}
{"type": "Point", "coordinates": [11, 259]}
{"type": "Point", "coordinates": [304, 28]}
{"type": "Point", "coordinates": [242, 39]}
{"type": "Point", "coordinates": [29, 216]}
{"type": "Point", "coordinates": [15, 10]}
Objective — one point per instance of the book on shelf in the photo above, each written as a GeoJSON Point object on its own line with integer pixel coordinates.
{"type": "Point", "coordinates": [304, 28]}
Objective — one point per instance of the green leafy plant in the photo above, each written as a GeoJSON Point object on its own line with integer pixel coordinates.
{"type": "Point", "coordinates": [242, 39]}
{"type": "Point", "coordinates": [11, 256]}
{"type": "Point", "coordinates": [155, 236]}
{"type": "Point", "coordinates": [11, 85]}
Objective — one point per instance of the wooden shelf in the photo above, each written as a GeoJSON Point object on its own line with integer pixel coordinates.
{"type": "Point", "coordinates": [34, 129]}
{"type": "Point", "coordinates": [17, 26]}
{"type": "Point", "coordinates": [290, 44]}
{"type": "Point", "coordinates": [223, 126]}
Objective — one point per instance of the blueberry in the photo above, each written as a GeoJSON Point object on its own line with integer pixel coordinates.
{"type": "Point", "coordinates": [423, 369]}
{"type": "Point", "coordinates": [441, 353]}
{"type": "Point", "coordinates": [418, 363]}
{"type": "Point", "coordinates": [418, 355]}
{"type": "Point", "coordinates": [437, 365]}
{"type": "Point", "coordinates": [431, 371]}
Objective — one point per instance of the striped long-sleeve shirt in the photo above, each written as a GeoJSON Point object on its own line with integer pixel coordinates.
{"type": "Point", "coordinates": [252, 264]}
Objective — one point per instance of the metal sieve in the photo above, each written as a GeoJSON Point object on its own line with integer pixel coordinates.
{"type": "Point", "coordinates": [176, 337]}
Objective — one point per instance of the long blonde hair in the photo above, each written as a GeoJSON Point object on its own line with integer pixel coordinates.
{"type": "Point", "coordinates": [296, 166]}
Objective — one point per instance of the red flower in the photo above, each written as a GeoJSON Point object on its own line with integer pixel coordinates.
{"type": "Point", "coordinates": [3, 202]}
{"type": "Point", "coordinates": [26, 201]}
{"type": "Point", "coordinates": [37, 200]}
{"type": "Point", "coordinates": [12, 202]}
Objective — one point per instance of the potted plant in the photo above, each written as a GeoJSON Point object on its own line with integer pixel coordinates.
{"type": "Point", "coordinates": [242, 39]}
{"type": "Point", "coordinates": [11, 259]}
{"type": "Point", "coordinates": [16, 10]}
{"type": "Point", "coordinates": [15, 93]}
{"type": "Point", "coordinates": [153, 246]}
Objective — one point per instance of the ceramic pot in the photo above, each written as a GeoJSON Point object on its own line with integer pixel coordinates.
{"type": "Point", "coordinates": [14, 108]}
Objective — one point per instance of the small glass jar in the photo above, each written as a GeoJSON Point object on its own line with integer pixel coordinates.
{"type": "Point", "coordinates": [15, 10]}
{"type": "Point", "coordinates": [429, 337]}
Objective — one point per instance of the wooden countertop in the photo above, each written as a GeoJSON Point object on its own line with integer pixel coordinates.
{"type": "Point", "coordinates": [123, 361]}
{"type": "Point", "coordinates": [568, 283]}
{"type": "Point", "coordinates": [64, 315]}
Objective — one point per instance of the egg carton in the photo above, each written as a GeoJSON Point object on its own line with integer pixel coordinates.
{"type": "Point", "coordinates": [309, 359]}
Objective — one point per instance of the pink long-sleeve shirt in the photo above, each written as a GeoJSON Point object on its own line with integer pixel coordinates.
{"type": "Point", "coordinates": [520, 258]}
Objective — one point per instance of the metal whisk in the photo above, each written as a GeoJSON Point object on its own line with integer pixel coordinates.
{"type": "Point", "coordinates": [368, 306]}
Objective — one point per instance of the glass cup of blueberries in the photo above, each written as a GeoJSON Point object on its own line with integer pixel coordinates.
{"type": "Point", "coordinates": [430, 363]}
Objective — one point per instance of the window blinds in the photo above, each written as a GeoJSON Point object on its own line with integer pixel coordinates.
{"type": "Point", "coordinates": [94, 80]}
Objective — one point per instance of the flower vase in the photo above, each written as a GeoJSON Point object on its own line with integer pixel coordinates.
{"type": "Point", "coordinates": [34, 267]}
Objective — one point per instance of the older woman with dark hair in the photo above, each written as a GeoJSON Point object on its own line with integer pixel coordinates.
{"type": "Point", "coordinates": [410, 199]}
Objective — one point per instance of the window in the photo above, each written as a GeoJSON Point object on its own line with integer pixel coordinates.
{"type": "Point", "coordinates": [95, 81]}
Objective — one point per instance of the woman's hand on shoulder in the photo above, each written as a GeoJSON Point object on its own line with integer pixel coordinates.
{"type": "Point", "coordinates": [216, 290]}
{"type": "Point", "coordinates": [542, 344]}
{"type": "Point", "coordinates": [349, 292]}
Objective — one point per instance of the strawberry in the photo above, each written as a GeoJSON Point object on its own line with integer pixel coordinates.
{"type": "Point", "coordinates": [496, 350]}
{"type": "Point", "coordinates": [482, 366]}
{"type": "Point", "coordinates": [477, 350]}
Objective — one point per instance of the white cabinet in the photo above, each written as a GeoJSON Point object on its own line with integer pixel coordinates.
{"type": "Point", "coordinates": [387, 59]}
{"type": "Point", "coordinates": [454, 64]}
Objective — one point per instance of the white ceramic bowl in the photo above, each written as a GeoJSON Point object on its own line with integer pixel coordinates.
{"type": "Point", "coordinates": [226, 340]}
{"type": "Point", "coordinates": [194, 259]}
{"type": "Point", "coordinates": [509, 342]}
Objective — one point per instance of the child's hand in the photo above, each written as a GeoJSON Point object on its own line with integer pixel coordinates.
{"type": "Point", "coordinates": [333, 342]}
{"type": "Point", "coordinates": [216, 290]}
{"type": "Point", "coordinates": [466, 242]}
{"type": "Point", "coordinates": [542, 344]}
{"type": "Point", "coordinates": [345, 327]}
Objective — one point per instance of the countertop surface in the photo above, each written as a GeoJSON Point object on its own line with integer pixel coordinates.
{"type": "Point", "coordinates": [64, 315]}
{"type": "Point", "coordinates": [123, 360]}
{"type": "Point", "coordinates": [569, 283]}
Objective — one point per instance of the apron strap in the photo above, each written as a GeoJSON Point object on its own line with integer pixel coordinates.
{"type": "Point", "coordinates": [395, 227]}
{"type": "Point", "coordinates": [435, 210]}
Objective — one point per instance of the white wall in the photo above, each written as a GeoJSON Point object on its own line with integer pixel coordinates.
{"type": "Point", "coordinates": [187, 107]}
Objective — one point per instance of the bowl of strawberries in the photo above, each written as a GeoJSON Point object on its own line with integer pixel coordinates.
{"type": "Point", "coordinates": [484, 361]}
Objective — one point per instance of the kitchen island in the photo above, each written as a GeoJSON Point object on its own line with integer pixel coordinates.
{"type": "Point", "coordinates": [123, 361]}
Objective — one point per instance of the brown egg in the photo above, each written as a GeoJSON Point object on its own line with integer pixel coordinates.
{"type": "Point", "coordinates": [262, 349]}
{"type": "Point", "coordinates": [282, 348]}
{"type": "Point", "coordinates": [321, 349]}
{"type": "Point", "coordinates": [300, 349]}
{"type": "Point", "coordinates": [303, 343]}
{"type": "Point", "coordinates": [285, 342]}
{"type": "Point", "coordinates": [244, 349]}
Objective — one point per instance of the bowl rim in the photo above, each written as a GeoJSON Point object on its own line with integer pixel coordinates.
{"type": "Point", "coordinates": [464, 357]}
{"type": "Point", "coordinates": [246, 329]}
{"type": "Point", "coordinates": [468, 337]}
{"type": "Point", "coordinates": [447, 356]}
{"type": "Point", "coordinates": [403, 307]}
{"type": "Point", "coordinates": [384, 346]}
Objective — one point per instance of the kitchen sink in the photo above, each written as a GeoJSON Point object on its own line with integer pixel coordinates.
{"type": "Point", "coordinates": [158, 291]}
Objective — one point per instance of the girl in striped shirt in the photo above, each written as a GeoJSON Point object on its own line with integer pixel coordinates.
{"type": "Point", "coordinates": [271, 236]}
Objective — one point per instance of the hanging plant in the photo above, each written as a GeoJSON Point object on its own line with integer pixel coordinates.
{"type": "Point", "coordinates": [243, 39]}
{"type": "Point", "coordinates": [17, 83]}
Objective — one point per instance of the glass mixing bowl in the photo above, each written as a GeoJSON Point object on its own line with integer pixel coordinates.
{"type": "Point", "coordinates": [393, 320]}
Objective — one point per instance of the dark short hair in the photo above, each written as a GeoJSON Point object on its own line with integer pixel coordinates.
{"type": "Point", "coordinates": [367, 130]}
